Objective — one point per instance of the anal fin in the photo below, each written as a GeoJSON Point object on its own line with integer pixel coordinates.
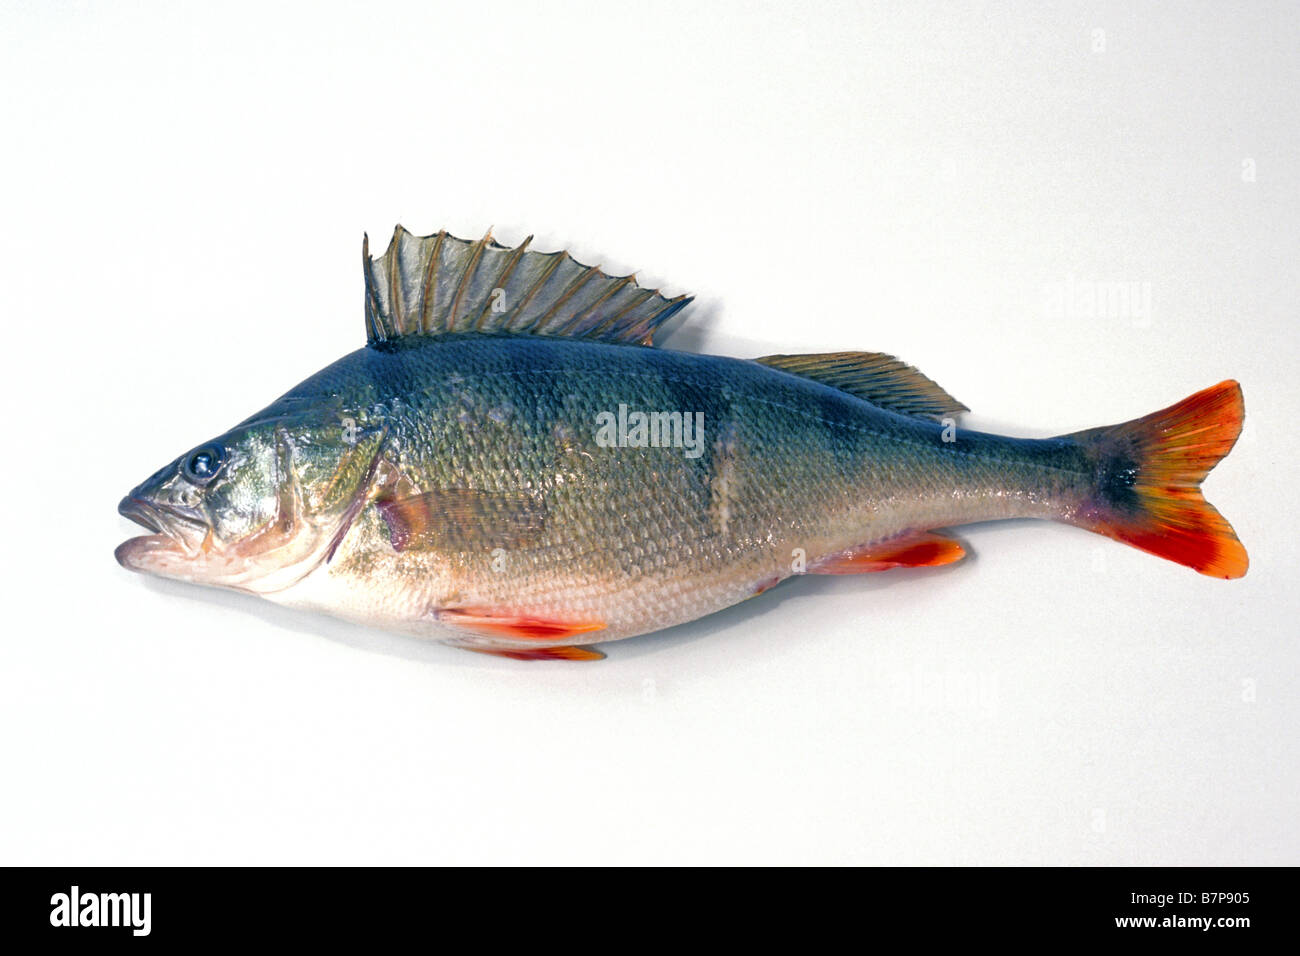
{"type": "Point", "coordinates": [923, 550]}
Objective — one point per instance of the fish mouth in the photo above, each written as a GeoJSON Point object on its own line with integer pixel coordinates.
{"type": "Point", "coordinates": [175, 534]}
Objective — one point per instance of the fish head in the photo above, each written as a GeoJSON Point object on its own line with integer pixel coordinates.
{"type": "Point", "coordinates": [255, 509]}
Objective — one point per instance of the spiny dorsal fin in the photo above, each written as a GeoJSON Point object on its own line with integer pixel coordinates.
{"type": "Point", "coordinates": [880, 379]}
{"type": "Point", "coordinates": [436, 284]}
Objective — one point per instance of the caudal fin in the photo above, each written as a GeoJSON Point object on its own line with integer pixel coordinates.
{"type": "Point", "coordinates": [1148, 477]}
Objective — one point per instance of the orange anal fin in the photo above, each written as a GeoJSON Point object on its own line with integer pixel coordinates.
{"type": "Point", "coordinates": [923, 550]}
{"type": "Point", "coordinates": [498, 623]}
{"type": "Point", "coordinates": [560, 653]}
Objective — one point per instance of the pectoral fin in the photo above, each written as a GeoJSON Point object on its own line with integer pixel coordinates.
{"type": "Point", "coordinates": [462, 519]}
{"type": "Point", "coordinates": [922, 550]}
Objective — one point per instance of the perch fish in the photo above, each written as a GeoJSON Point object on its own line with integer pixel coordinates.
{"type": "Point", "coordinates": [511, 466]}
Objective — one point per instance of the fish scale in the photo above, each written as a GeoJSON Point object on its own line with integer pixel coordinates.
{"type": "Point", "coordinates": [633, 539]}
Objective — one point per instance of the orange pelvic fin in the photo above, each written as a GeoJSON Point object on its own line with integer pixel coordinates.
{"type": "Point", "coordinates": [493, 622]}
{"type": "Point", "coordinates": [922, 550]}
{"type": "Point", "coordinates": [560, 653]}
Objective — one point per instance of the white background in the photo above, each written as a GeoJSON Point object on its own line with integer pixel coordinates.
{"type": "Point", "coordinates": [182, 197]}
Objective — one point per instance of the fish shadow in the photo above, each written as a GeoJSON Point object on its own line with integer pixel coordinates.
{"type": "Point", "coordinates": [698, 330]}
{"type": "Point", "coordinates": [372, 640]}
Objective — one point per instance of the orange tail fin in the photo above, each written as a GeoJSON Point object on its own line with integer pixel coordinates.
{"type": "Point", "coordinates": [1149, 473]}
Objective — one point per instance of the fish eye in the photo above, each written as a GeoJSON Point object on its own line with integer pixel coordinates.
{"type": "Point", "coordinates": [204, 464]}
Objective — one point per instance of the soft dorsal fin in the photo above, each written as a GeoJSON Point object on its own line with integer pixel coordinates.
{"type": "Point", "coordinates": [880, 379]}
{"type": "Point", "coordinates": [436, 284]}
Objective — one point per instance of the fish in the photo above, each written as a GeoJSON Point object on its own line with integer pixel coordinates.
{"type": "Point", "coordinates": [510, 465]}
